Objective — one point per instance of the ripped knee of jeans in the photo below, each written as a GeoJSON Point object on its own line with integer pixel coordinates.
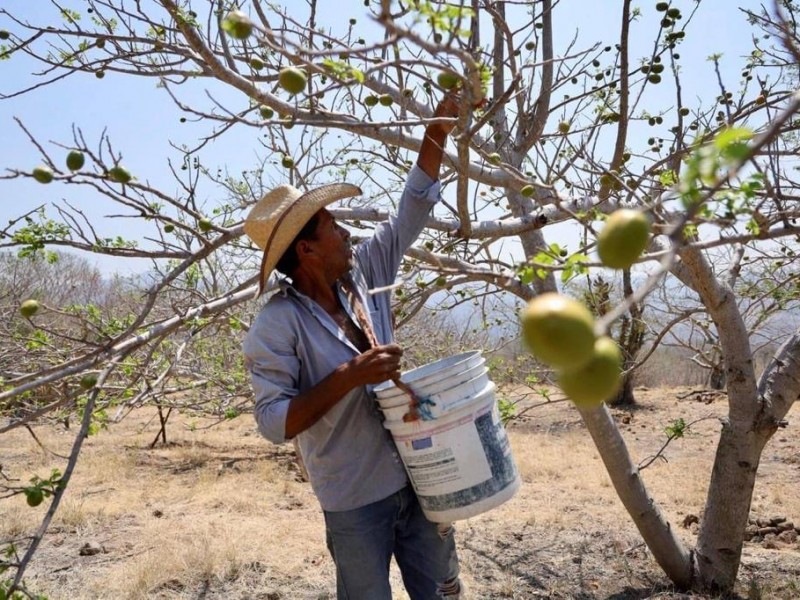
{"type": "Point", "coordinates": [445, 530]}
{"type": "Point", "coordinates": [450, 589]}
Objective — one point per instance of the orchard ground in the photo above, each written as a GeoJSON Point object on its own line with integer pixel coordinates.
{"type": "Point", "coordinates": [220, 513]}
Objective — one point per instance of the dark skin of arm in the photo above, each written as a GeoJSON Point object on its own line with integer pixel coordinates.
{"type": "Point", "coordinates": [382, 362]}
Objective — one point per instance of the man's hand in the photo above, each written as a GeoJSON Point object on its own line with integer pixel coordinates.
{"type": "Point", "coordinates": [448, 107]}
{"type": "Point", "coordinates": [376, 365]}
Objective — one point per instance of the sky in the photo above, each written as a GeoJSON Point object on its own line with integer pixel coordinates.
{"type": "Point", "coordinates": [143, 122]}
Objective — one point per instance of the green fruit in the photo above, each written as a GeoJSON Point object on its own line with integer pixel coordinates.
{"type": "Point", "coordinates": [75, 160]}
{"type": "Point", "coordinates": [293, 80]}
{"type": "Point", "coordinates": [527, 191]}
{"type": "Point", "coordinates": [623, 238]}
{"type": "Point", "coordinates": [654, 78]}
{"type": "Point", "coordinates": [408, 92]}
{"type": "Point", "coordinates": [100, 74]}
{"type": "Point", "coordinates": [237, 25]}
{"type": "Point", "coordinates": [204, 224]}
{"type": "Point", "coordinates": [100, 43]}
{"type": "Point", "coordinates": [169, 228]}
{"type": "Point", "coordinates": [530, 45]}
{"type": "Point", "coordinates": [88, 381]}
{"type": "Point", "coordinates": [29, 308]}
{"type": "Point", "coordinates": [287, 162]}
{"type": "Point", "coordinates": [287, 121]}
{"type": "Point", "coordinates": [662, 6]}
{"type": "Point", "coordinates": [4, 35]}
{"type": "Point", "coordinates": [386, 100]}
{"type": "Point", "coordinates": [494, 158]}
{"type": "Point", "coordinates": [42, 174]}
{"type": "Point", "coordinates": [119, 174]}
{"type": "Point", "coordinates": [441, 281]}
{"type": "Point", "coordinates": [598, 379]}
{"type": "Point", "coordinates": [266, 112]}
{"type": "Point", "coordinates": [256, 63]}
{"type": "Point", "coordinates": [34, 497]}
{"type": "Point", "coordinates": [447, 80]}
{"type": "Point", "coordinates": [683, 111]}
{"type": "Point", "coordinates": [563, 127]}
{"type": "Point", "coordinates": [370, 100]}
{"type": "Point", "coordinates": [558, 330]}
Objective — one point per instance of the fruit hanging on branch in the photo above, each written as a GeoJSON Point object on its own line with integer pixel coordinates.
{"type": "Point", "coordinates": [623, 238]}
{"type": "Point", "coordinates": [119, 174]}
{"type": "Point", "coordinates": [88, 381]}
{"type": "Point", "coordinates": [205, 225]}
{"type": "Point", "coordinates": [42, 174]}
{"type": "Point", "coordinates": [447, 80]}
{"type": "Point", "coordinates": [29, 308]}
{"type": "Point", "coordinates": [558, 330]}
{"type": "Point", "coordinates": [75, 160]}
{"type": "Point", "coordinates": [293, 80]}
{"type": "Point", "coordinates": [34, 496]}
{"type": "Point", "coordinates": [237, 25]}
{"type": "Point", "coordinates": [597, 380]}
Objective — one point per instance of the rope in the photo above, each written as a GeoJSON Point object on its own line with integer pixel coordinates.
{"type": "Point", "coordinates": [417, 404]}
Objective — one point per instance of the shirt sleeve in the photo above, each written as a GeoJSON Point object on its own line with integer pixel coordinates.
{"type": "Point", "coordinates": [274, 367]}
{"type": "Point", "coordinates": [380, 256]}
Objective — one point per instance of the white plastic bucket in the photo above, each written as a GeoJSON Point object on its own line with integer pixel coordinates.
{"type": "Point", "coordinates": [460, 464]}
{"type": "Point", "coordinates": [447, 395]}
{"type": "Point", "coordinates": [424, 379]}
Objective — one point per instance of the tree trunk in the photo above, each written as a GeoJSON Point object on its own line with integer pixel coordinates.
{"type": "Point", "coordinates": [667, 549]}
{"type": "Point", "coordinates": [716, 379]}
{"type": "Point", "coordinates": [719, 544]}
{"type": "Point", "coordinates": [625, 396]}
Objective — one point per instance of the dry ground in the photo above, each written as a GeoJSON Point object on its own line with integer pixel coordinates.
{"type": "Point", "coordinates": [220, 513]}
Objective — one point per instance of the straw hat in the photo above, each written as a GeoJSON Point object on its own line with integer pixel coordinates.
{"type": "Point", "coordinates": [278, 217]}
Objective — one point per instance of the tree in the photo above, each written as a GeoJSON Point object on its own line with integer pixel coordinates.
{"type": "Point", "coordinates": [559, 139]}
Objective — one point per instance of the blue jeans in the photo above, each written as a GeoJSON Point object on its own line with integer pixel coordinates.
{"type": "Point", "coordinates": [362, 542]}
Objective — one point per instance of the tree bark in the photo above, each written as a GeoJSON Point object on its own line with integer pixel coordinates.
{"type": "Point", "coordinates": [719, 543]}
{"type": "Point", "coordinates": [670, 553]}
{"type": "Point", "coordinates": [625, 397]}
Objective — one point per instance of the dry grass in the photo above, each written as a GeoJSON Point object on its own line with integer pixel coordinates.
{"type": "Point", "coordinates": [220, 513]}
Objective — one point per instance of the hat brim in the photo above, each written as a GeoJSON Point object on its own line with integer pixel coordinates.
{"type": "Point", "coordinates": [274, 228]}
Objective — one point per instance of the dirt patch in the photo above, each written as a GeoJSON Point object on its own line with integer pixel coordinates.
{"type": "Point", "coordinates": [220, 513]}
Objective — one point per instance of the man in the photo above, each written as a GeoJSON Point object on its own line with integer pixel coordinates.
{"type": "Point", "coordinates": [312, 352]}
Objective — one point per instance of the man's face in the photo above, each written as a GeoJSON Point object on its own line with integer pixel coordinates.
{"type": "Point", "coordinates": [332, 245]}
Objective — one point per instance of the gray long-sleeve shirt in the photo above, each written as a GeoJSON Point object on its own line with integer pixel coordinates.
{"type": "Point", "coordinates": [293, 344]}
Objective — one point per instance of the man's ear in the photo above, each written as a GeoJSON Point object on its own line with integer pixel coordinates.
{"type": "Point", "coordinates": [303, 249]}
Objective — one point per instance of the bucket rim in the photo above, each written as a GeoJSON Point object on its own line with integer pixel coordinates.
{"type": "Point", "coordinates": [402, 428]}
{"type": "Point", "coordinates": [396, 400]}
{"type": "Point", "coordinates": [426, 370]}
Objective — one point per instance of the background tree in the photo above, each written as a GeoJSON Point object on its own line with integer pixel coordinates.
{"type": "Point", "coordinates": [565, 137]}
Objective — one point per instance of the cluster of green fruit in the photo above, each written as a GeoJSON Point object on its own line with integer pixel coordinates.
{"type": "Point", "coordinates": [559, 331]}
{"type": "Point", "coordinates": [75, 161]}
{"type": "Point", "coordinates": [383, 100]}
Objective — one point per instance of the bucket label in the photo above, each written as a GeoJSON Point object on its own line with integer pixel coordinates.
{"type": "Point", "coordinates": [446, 461]}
